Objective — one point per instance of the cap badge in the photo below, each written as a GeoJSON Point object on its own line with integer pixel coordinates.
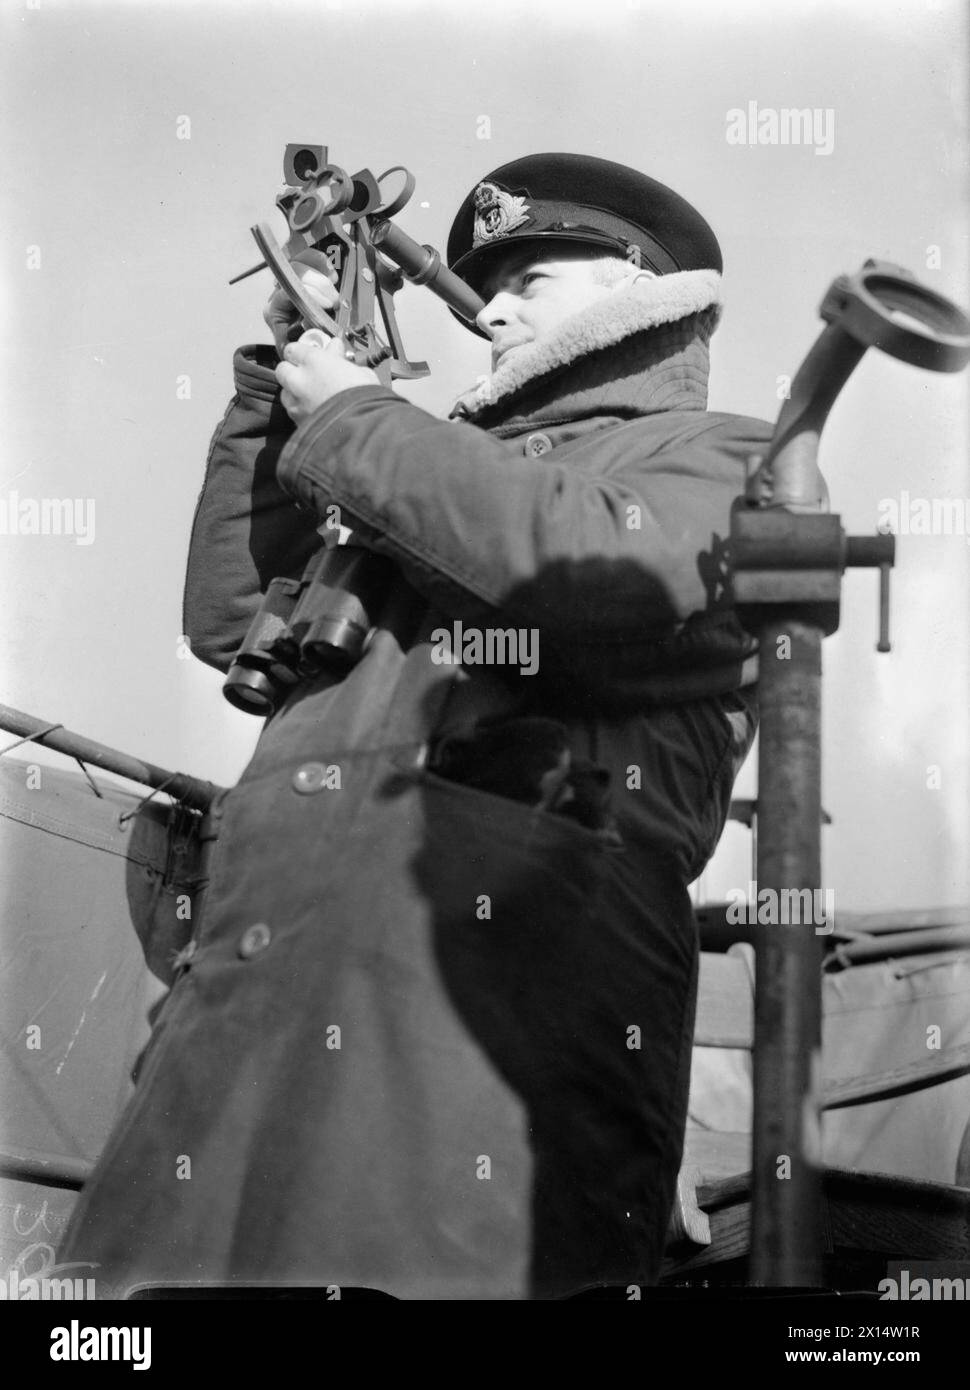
{"type": "Point", "coordinates": [497, 213]}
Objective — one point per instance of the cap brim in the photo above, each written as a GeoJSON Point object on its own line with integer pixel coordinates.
{"type": "Point", "coordinates": [475, 265]}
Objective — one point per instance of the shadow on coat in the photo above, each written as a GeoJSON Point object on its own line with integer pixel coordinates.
{"type": "Point", "coordinates": [569, 953]}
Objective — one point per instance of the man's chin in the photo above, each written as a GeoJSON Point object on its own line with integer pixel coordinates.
{"type": "Point", "coordinates": [506, 356]}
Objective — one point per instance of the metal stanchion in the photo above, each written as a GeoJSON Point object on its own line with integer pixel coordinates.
{"type": "Point", "coordinates": [787, 557]}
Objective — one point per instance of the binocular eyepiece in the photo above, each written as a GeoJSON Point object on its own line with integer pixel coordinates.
{"type": "Point", "coordinates": [316, 625]}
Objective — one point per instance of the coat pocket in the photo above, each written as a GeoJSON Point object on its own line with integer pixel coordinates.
{"type": "Point", "coordinates": [531, 825]}
{"type": "Point", "coordinates": [527, 761]}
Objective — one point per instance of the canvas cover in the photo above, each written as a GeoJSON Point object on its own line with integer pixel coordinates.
{"type": "Point", "coordinates": [79, 892]}
{"type": "Point", "coordinates": [879, 1019]}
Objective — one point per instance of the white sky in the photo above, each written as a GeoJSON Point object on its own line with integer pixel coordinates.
{"type": "Point", "coordinates": [139, 231]}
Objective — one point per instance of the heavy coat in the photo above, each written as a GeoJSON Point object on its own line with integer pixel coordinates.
{"type": "Point", "coordinates": [431, 1039]}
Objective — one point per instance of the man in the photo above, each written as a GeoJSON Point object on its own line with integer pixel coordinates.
{"type": "Point", "coordinates": [433, 1032]}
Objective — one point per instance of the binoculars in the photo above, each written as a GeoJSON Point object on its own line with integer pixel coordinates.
{"type": "Point", "coordinates": [316, 625]}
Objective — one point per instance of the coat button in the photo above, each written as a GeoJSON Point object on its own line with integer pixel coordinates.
{"type": "Point", "coordinates": [536, 445]}
{"type": "Point", "coordinates": [254, 940]}
{"type": "Point", "coordinates": [310, 778]}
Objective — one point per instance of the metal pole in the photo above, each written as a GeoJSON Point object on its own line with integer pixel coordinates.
{"type": "Point", "coordinates": [788, 554]}
{"type": "Point", "coordinates": [786, 1239]}
{"type": "Point", "coordinates": [190, 791]}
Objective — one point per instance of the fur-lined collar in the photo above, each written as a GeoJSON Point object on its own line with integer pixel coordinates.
{"type": "Point", "coordinates": [633, 307]}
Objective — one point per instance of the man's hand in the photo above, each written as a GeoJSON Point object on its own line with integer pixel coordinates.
{"type": "Point", "coordinates": [319, 284]}
{"type": "Point", "coordinates": [314, 369]}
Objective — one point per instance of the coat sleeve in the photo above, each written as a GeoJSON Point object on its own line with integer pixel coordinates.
{"type": "Point", "coordinates": [609, 546]}
{"type": "Point", "coordinates": [246, 530]}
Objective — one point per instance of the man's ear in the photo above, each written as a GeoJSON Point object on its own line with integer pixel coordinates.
{"type": "Point", "coordinates": [634, 275]}
{"type": "Point", "coordinates": [638, 273]}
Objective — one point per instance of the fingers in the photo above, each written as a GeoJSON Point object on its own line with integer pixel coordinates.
{"type": "Point", "coordinates": [317, 286]}
{"type": "Point", "coordinates": [314, 340]}
{"type": "Point", "coordinates": [315, 337]}
{"type": "Point", "coordinates": [281, 315]}
{"type": "Point", "coordinates": [319, 291]}
{"type": "Point", "coordinates": [317, 261]}
{"type": "Point", "coordinates": [286, 374]}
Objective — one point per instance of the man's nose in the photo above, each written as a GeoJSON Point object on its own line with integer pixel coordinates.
{"type": "Point", "coordinates": [496, 314]}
